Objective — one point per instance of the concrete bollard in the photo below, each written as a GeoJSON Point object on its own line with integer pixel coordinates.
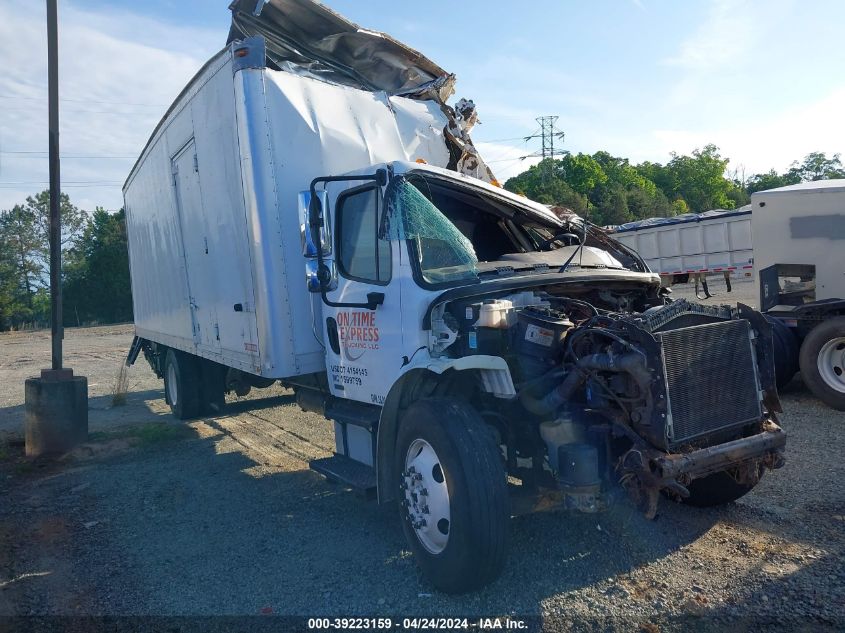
{"type": "Point", "coordinates": [55, 412]}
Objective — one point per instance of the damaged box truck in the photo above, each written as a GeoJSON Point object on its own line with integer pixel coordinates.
{"type": "Point", "coordinates": [311, 211]}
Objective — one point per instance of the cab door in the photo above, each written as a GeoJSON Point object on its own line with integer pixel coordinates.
{"type": "Point", "coordinates": [364, 354]}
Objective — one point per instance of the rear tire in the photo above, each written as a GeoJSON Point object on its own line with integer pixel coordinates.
{"type": "Point", "coordinates": [458, 487]}
{"type": "Point", "coordinates": [716, 489]}
{"type": "Point", "coordinates": [823, 362]}
{"type": "Point", "coordinates": [181, 384]}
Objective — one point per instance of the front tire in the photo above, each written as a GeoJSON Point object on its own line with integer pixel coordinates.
{"type": "Point", "coordinates": [822, 361]}
{"type": "Point", "coordinates": [453, 494]}
{"type": "Point", "coordinates": [717, 489]}
{"type": "Point", "coordinates": [181, 384]}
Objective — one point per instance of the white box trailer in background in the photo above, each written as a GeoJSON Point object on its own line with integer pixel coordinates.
{"type": "Point", "coordinates": [692, 246]}
{"type": "Point", "coordinates": [799, 237]}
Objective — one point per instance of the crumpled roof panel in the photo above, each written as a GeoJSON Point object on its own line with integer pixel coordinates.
{"type": "Point", "coordinates": [308, 38]}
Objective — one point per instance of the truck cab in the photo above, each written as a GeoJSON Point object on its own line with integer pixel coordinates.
{"type": "Point", "coordinates": [399, 241]}
{"type": "Point", "coordinates": [464, 324]}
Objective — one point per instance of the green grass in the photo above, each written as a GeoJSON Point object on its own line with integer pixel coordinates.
{"type": "Point", "coordinates": [120, 386]}
{"type": "Point", "coordinates": [146, 434]}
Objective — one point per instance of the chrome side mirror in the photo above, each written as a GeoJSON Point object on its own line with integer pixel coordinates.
{"type": "Point", "coordinates": [309, 248]}
{"type": "Point", "coordinates": [313, 275]}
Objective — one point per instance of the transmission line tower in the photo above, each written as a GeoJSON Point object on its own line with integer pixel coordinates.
{"type": "Point", "coordinates": [548, 132]}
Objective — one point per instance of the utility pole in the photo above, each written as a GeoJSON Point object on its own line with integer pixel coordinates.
{"type": "Point", "coordinates": [55, 187]}
{"type": "Point", "coordinates": [56, 403]}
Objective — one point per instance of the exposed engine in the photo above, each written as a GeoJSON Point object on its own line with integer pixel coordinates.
{"type": "Point", "coordinates": [609, 397]}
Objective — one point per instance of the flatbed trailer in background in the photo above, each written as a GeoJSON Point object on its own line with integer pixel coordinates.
{"type": "Point", "coordinates": [692, 246]}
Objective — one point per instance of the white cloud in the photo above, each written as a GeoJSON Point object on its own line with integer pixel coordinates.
{"type": "Point", "coordinates": [118, 72]}
{"type": "Point", "coordinates": [726, 44]}
{"type": "Point", "coordinates": [768, 142]}
{"type": "Point", "coordinates": [729, 30]}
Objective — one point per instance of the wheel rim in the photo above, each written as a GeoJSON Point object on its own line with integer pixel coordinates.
{"type": "Point", "coordinates": [172, 391]}
{"type": "Point", "coordinates": [426, 496]}
{"type": "Point", "coordinates": [831, 363]}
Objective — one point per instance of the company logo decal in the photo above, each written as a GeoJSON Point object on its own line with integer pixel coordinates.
{"type": "Point", "coordinates": [358, 332]}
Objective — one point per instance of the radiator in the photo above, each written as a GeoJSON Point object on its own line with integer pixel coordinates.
{"type": "Point", "coordinates": [711, 379]}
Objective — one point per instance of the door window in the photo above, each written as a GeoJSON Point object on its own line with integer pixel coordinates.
{"type": "Point", "coordinates": [362, 254]}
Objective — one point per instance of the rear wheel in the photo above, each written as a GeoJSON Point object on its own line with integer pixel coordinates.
{"type": "Point", "coordinates": [181, 384]}
{"type": "Point", "coordinates": [453, 494]}
{"type": "Point", "coordinates": [823, 362]}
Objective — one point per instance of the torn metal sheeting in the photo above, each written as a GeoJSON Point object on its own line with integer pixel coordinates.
{"type": "Point", "coordinates": [305, 38]}
{"type": "Point", "coordinates": [308, 38]}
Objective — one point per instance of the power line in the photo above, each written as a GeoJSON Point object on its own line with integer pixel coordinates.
{"type": "Point", "coordinates": [502, 140]}
{"type": "Point", "coordinates": [502, 153]}
{"type": "Point", "coordinates": [67, 186]}
{"type": "Point", "coordinates": [74, 183]}
{"type": "Point", "coordinates": [70, 156]}
{"type": "Point", "coordinates": [76, 111]}
{"type": "Point", "coordinates": [507, 160]}
{"type": "Point", "coordinates": [120, 103]}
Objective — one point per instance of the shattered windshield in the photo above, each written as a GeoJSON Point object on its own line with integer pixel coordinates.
{"type": "Point", "coordinates": [463, 234]}
{"type": "Point", "coordinates": [444, 253]}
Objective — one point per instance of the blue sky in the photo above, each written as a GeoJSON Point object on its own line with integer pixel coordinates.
{"type": "Point", "coordinates": [762, 80]}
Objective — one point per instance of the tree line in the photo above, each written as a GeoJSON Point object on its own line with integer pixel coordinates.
{"type": "Point", "coordinates": [95, 270]}
{"type": "Point", "coordinates": [611, 190]}
{"type": "Point", "coordinates": [606, 188]}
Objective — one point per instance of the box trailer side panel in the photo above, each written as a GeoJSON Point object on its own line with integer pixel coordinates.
{"type": "Point", "coordinates": [192, 280]}
{"type": "Point", "coordinates": [214, 215]}
{"type": "Point", "coordinates": [315, 129]}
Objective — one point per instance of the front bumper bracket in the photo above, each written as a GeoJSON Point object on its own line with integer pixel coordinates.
{"type": "Point", "coordinates": [767, 445]}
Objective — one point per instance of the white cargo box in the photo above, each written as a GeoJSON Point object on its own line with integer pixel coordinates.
{"type": "Point", "coordinates": [212, 204]}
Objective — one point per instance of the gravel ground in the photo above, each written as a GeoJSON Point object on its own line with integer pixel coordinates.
{"type": "Point", "coordinates": [742, 291]}
{"type": "Point", "coordinates": [222, 516]}
{"type": "Point", "coordinates": [95, 352]}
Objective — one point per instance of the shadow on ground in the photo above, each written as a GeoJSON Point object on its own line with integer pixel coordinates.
{"type": "Point", "coordinates": [206, 526]}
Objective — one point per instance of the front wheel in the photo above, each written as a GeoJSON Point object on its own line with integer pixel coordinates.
{"type": "Point", "coordinates": [822, 360]}
{"type": "Point", "coordinates": [453, 494]}
{"type": "Point", "coordinates": [718, 489]}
